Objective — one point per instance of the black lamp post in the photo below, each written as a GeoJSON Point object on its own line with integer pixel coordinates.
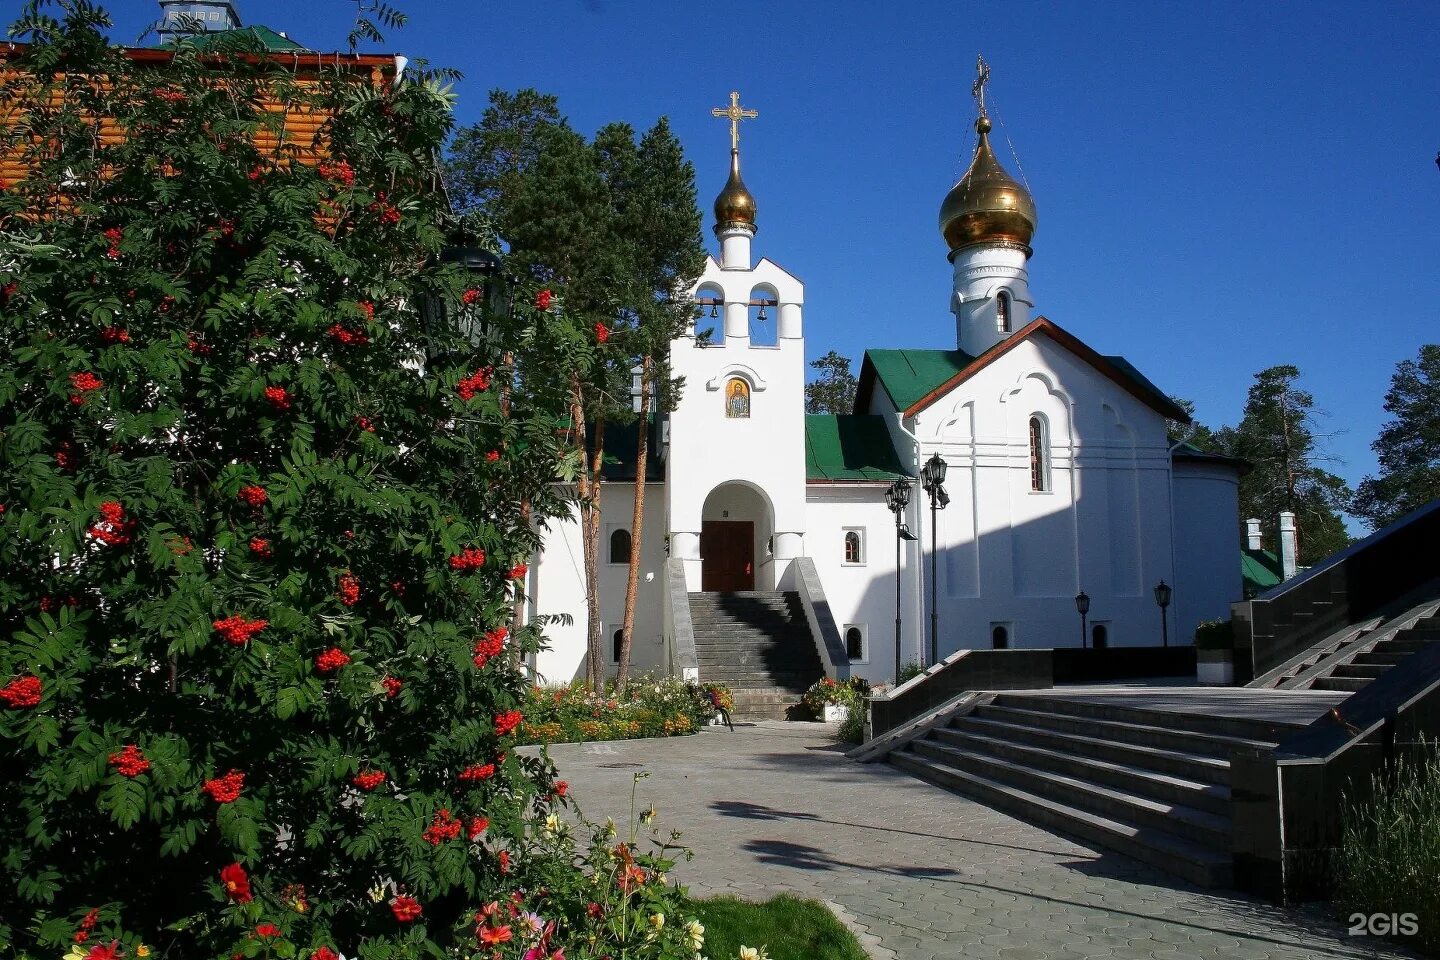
{"type": "Point", "coordinates": [488, 270]}
{"type": "Point", "coordinates": [897, 498]}
{"type": "Point", "coordinates": [1163, 592]}
{"type": "Point", "coordinates": [1082, 606]}
{"type": "Point", "coordinates": [932, 477]}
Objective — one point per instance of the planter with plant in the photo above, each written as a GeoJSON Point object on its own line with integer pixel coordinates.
{"type": "Point", "coordinates": [1215, 653]}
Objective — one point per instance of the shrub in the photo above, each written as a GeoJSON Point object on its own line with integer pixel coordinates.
{"type": "Point", "coordinates": [1214, 635]}
{"type": "Point", "coordinates": [1389, 856]}
{"type": "Point", "coordinates": [262, 527]}
{"type": "Point", "coordinates": [826, 691]}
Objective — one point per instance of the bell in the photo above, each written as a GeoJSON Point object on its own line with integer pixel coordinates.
{"type": "Point", "coordinates": [761, 316]}
{"type": "Point", "coordinates": [714, 309]}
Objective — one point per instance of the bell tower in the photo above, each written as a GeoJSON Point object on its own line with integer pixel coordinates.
{"type": "Point", "coordinates": [988, 219]}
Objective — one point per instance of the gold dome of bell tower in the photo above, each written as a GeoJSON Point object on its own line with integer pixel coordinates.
{"type": "Point", "coordinates": [735, 207]}
{"type": "Point", "coordinates": [987, 205]}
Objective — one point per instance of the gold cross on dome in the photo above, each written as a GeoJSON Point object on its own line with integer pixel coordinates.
{"type": "Point", "coordinates": [982, 77]}
{"type": "Point", "coordinates": [734, 113]}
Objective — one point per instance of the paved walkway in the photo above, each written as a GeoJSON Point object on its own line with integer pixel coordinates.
{"type": "Point", "coordinates": [923, 873]}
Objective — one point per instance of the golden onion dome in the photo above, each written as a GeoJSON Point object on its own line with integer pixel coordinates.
{"type": "Point", "coordinates": [735, 207]}
{"type": "Point", "coordinates": [987, 205]}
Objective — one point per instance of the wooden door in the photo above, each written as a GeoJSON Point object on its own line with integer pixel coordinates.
{"type": "Point", "coordinates": [727, 555]}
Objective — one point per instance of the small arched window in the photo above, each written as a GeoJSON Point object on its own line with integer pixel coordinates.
{"type": "Point", "coordinates": [855, 643]}
{"type": "Point", "coordinates": [853, 553]}
{"type": "Point", "coordinates": [1002, 310]}
{"type": "Point", "coordinates": [1039, 462]}
{"type": "Point", "coordinates": [999, 637]}
{"type": "Point", "coordinates": [615, 643]}
{"type": "Point", "coordinates": [620, 545]}
{"type": "Point", "coordinates": [1099, 636]}
{"type": "Point", "coordinates": [737, 399]}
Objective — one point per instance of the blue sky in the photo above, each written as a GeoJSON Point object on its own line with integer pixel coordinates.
{"type": "Point", "coordinates": [1221, 186]}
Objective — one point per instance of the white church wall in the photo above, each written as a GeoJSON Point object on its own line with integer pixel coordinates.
{"type": "Point", "coordinates": [863, 594]}
{"type": "Point", "coordinates": [559, 587]}
{"type": "Point", "coordinates": [1017, 557]}
{"type": "Point", "coordinates": [1207, 545]}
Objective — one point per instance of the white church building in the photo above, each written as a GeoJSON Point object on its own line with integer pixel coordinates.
{"type": "Point", "coordinates": [1060, 477]}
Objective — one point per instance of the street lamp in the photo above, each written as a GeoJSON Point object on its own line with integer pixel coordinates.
{"type": "Point", "coordinates": [1163, 592]}
{"type": "Point", "coordinates": [1082, 606]}
{"type": "Point", "coordinates": [897, 498]}
{"type": "Point", "coordinates": [933, 479]}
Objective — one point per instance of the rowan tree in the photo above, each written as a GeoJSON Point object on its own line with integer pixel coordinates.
{"type": "Point", "coordinates": [259, 518]}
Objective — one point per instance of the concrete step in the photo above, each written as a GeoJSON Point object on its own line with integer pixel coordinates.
{"type": "Point", "coordinates": [1140, 781]}
{"type": "Point", "coordinates": [1241, 728]}
{"type": "Point", "coordinates": [1193, 861]}
{"type": "Point", "coordinates": [1141, 734]}
{"type": "Point", "coordinates": [1348, 684]}
{"type": "Point", "coordinates": [1381, 659]}
{"type": "Point", "coordinates": [1367, 670]}
{"type": "Point", "coordinates": [796, 684]}
{"type": "Point", "coordinates": [1199, 826]}
{"type": "Point", "coordinates": [1200, 768]}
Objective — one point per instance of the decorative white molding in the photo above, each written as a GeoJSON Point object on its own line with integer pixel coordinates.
{"type": "Point", "coordinates": [717, 382]}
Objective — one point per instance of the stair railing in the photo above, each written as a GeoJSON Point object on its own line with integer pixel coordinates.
{"type": "Point", "coordinates": [822, 622]}
{"type": "Point", "coordinates": [680, 656]}
{"type": "Point", "coordinates": [1344, 589]}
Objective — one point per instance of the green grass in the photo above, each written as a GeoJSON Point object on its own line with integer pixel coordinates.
{"type": "Point", "coordinates": [788, 927]}
{"type": "Point", "coordinates": [1389, 856]}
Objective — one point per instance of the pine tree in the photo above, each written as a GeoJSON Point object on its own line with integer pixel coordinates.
{"type": "Point", "coordinates": [834, 389]}
{"type": "Point", "coordinates": [1408, 446]}
{"type": "Point", "coordinates": [261, 518]}
{"type": "Point", "coordinates": [1277, 436]}
{"type": "Point", "coordinates": [612, 226]}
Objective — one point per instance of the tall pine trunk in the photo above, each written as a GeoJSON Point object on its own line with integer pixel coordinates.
{"type": "Point", "coordinates": [637, 525]}
{"type": "Point", "coordinates": [588, 488]}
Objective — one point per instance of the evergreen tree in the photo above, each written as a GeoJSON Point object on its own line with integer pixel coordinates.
{"type": "Point", "coordinates": [1277, 436]}
{"type": "Point", "coordinates": [833, 389]}
{"type": "Point", "coordinates": [1194, 432]}
{"type": "Point", "coordinates": [612, 227]}
{"type": "Point", "coordinates": [1408, 446]}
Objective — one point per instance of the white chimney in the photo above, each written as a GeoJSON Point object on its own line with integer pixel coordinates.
{"type": "Point", "coordinates": [1252, 534]}
{"type": "Point", "coordinates": [1287, 544]}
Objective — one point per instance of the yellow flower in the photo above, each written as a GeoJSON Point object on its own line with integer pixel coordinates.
{"type": "Point", "coordinates": [77, 952]}
{"type": "Point", "coordinates": [749, 953]}
{"type": "Point", "coordinates": [552, 824]}
{"type": "Point", "coordinates": [657, 920]}
{"type": "Point", "coordinates": [142, 951]}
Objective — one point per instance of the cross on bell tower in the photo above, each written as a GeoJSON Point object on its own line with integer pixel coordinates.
{"type": "Point", "coordinates": [735, 207]}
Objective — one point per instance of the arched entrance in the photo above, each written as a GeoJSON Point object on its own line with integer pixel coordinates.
{"type": "Point", "coordinates": [735, 531]}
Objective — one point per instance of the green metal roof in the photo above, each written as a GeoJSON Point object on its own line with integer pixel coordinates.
{"type": "Point", "coordinates": [268, 38]}
{"type": "Point", "coordinates": [1260, 570]}
{"type": "Point", "coordinates": [849, 447]}
{"type": "Point", "coordinates": [908, 375]}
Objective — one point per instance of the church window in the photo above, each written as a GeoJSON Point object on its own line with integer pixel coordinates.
{"type": "Point", "coordinates": [737, 399]}
{"type": "Point", "coordinates": [1099, 636]}
{"type": "Point", "coordinates": [854, 547]}
{"type": "Point", "coordinates": [615, 642]}
{"type": "Point", "coordinates": [1039, 460]}
{"type": "Point", "coordinates": [999, 636]}
{"type": "Point", "coordinates": [855, 643]}
{"type": "Point", "coordinates": [620, 545]}
{"type": "Point", "coordinates": [1002, 310]}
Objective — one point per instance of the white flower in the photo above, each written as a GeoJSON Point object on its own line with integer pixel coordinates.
{"type": "Point", "coordinates": [750, 953]}
{"type": "Point", "coordinates": [552, 824]}
{"type": "Point", "coordinates": [657, 920]}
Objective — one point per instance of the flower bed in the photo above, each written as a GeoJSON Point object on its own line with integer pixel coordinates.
{"type": "Point", "coordinates": [649, 707]}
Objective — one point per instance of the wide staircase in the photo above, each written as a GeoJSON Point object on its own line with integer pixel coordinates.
{"type": "Point", "coordinates": [1122, 777]}
{"type": "Point", "coordinates": [758, 643]}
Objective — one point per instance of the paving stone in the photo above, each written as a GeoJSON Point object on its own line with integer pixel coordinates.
{"type": "Point", "coordinates": [920, 873]}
